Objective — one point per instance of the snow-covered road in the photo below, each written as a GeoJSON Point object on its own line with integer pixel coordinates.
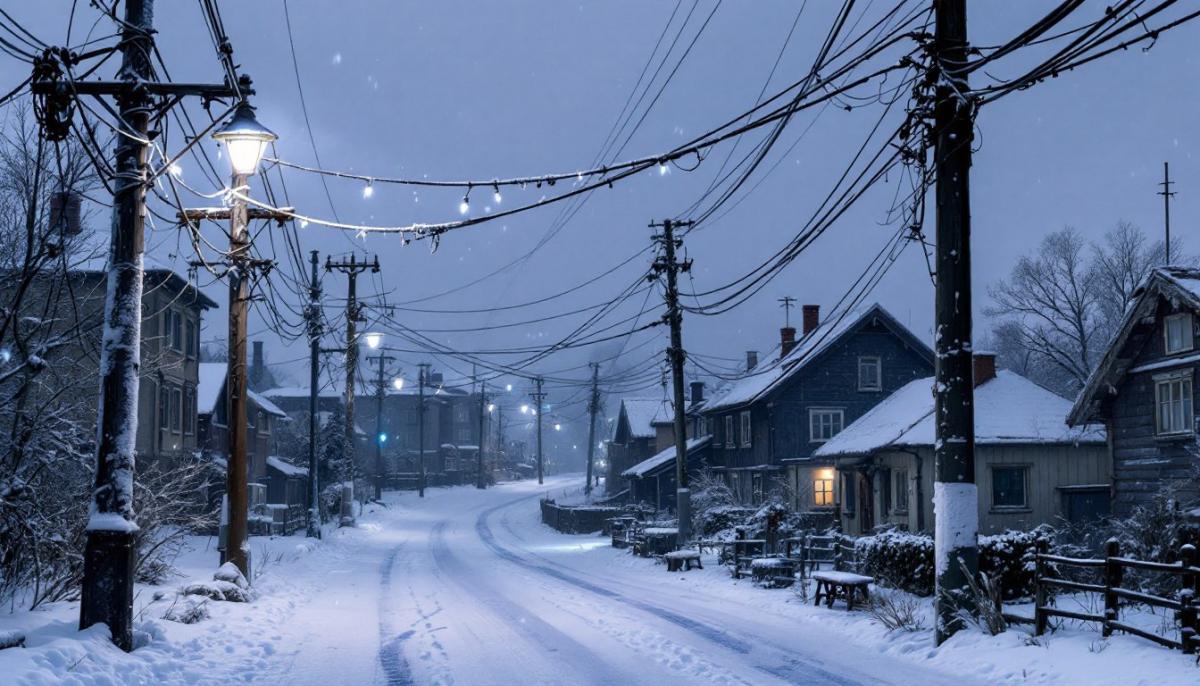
{"type": "Point", "coordinates": [467, 587]}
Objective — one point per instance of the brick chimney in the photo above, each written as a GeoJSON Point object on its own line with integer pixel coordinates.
{"type": "Point", "coordinates": [697, 392]}
{"type": "Point", "coordinates": [256, 367]}
{"type": "Point", "coordinates": [984, 367]}
{"type": "Point", "coordinates": [751, 359]}
{"type": "Point", "coordinates": [812, 317]}
{"type": "Point", "coordinates": [787, 340]}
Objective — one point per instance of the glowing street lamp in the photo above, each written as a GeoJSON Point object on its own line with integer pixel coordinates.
{"type": "Point", "coordinates": [491, 407]}
{"type": "Point", "coordinates": [398, 383]}
{"type": "Point", "coordinates": [373, 339]}
{"type": "Point", "coordinates": [558, 427]}
{"type": "Point", "coordinates": [524, 409]}
{"type": "Point", "coordinates": [245, 139]}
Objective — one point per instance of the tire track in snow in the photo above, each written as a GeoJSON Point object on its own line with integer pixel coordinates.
{"type": "Point", "coordinates": [791, 669]}
{"type": "Point", "coordinates": [396, 671]}
{"type": "Point", "coordinates": [539, 632]}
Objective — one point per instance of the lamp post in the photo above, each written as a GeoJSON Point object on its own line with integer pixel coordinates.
{"type": "Point", "coordinates": [245, 141]}
{"type": "Point", "coordinates": [374, 340]}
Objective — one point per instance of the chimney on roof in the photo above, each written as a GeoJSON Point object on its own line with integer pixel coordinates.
{"type": "Point", "coordinates": [812, 317]}
{"type": "Point", "coordinates": [787, 340]}
{"type": "Point", "coordinates": [256, 369]}
{"type": "Point", "coordinates": [751, 359]}
{"type": "Point", "coordinates": [697, 392]}
{"type": "Point", "coordinates": [984, 364]}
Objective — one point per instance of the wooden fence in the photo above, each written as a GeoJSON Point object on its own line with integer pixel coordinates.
{"type": "Point", "coordinates": [1112, 568]}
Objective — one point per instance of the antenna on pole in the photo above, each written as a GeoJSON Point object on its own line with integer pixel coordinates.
{"type": "Point", "coordinates": [787, 302]}
{"type": "Point", "coordinates": [1167, 194]}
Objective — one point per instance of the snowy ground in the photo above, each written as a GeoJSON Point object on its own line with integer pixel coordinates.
{"type": "Point", "coordinates": [467, 587]}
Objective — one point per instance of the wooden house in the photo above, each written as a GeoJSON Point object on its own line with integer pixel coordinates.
{"type": "Point", "coordinates": [652, 481]}
{"type": "Point", "coordinates": [1030, 467]}
{"type": "Point", "coordinates": [1144, 392]}
{"type": "Point", "coordinates": [766, 425]}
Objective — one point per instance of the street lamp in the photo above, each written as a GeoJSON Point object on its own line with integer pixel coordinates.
{"type": "Point", "coordinates": [373, 339]}
{"type": "Point", "coordinates": [524, 409]}
{"type": "Point", "coordinates": [398, 383]}
{"type": "Point", "coordinates": [558, 427]}
{"type": "Point", "coordinates": [245, 140]}
{"type": "Point", "coordinates": [491, 407]}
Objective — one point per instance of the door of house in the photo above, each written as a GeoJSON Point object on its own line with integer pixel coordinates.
{"type": "Point", "coordinates": [756, 486]}
{"type": "Point", "coordinates": [866, 503]}
{"type": "Point", "coordinates": [1084, 505]}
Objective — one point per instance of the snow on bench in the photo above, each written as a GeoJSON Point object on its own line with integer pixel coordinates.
{"type": "Point", "coordinates": [660, 531]}
{"type": "Point", "coordinates": [682, 560]}
{"type": "Point", "coordinates": [846, 578]}
{"type": "Point", "coordinates": [682, 555]}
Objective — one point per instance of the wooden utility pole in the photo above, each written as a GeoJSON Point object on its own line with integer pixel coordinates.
{"type": "Point", "coordinates": [538, 398]}
{"type": "Point", "coordinates": [108, 558]}
{"type": "Point", "coordinates": [351, 268]}
{"type": "Point", "coordinates": [380, 436]}
{"type": "Point", "coordinates": [1167, 194]}
{"type": "Point", "coordinates": [480, 483]}
{"type": "Point", "coordinates": [237, 550]}
{"type": "Point", "coordinates": [955, 496]}
{"type": "Point", "coordinates": [666, 263]}
{"type": "Point", "coordinates": [593, 408]}
{"type": "Point", "coordinates": [313, 315]}
{"type": "Point", "coordinates": [423, 378]}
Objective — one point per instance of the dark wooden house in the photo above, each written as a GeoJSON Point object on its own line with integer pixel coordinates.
{"type": "Point", "coordinates": [766, 425]}
{"type": "Point", "coordinates": [1144, 391]}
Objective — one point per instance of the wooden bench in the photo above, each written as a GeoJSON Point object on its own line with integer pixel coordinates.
{"type": "Point", "coordinates": [776, 572]}
{"type": "Point", "coordinates": [845, 585]}
{"type": "Point", "coordinates": [655, 541]}
{"type": "Point", "coordinates": [682, 560]}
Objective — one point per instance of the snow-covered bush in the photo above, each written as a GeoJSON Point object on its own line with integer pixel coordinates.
{"type": "Point", "coordinates": [1008, 558]}
{"type": "Point", "coordinates": [897, 610]}
{"type": "Point", "coordinates": [187, 610]}
{"type": "Point", "coordinates": [898, 560]}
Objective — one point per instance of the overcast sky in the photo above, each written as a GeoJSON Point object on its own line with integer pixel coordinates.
{"type": "Point", "coordinates": [495, 89]}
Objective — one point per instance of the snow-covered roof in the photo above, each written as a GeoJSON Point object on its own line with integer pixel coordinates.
{"type": "Point", "coordinates": [155, 271]}
{"type": "Point", "coordinates": [643, 413]}
{"type": "Point", "coordinates": [667, 456]}
{"type": "Point", "coordinates": [286, 467]}
{"type": "Point", "coordinates": [208, 391]}
{"type": "Point", "coordinates": [300, 392]}
{"type": "Point", "coordinates": [1009, 409]}
{"type": "Point", "coordinates": [763, 379]}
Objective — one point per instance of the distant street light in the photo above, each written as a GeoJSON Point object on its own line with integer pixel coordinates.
{"type": "Point", "coordinates": [524, 409]}
{"type": "Point", "coordinates": [373, 339]}
{"type": "Point", "coordinates": [398, 383]}
{"type": "Point", "coordinates": [558, 427]}
{"type": "Point", "coordinates": [491, 407]}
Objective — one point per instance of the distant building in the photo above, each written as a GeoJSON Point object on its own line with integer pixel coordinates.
{"type": "Point", "coordinates": [1030, 467]}
{"type": "Point", "coordinates": [262, 417]}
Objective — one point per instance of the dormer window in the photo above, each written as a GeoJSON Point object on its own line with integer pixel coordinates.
{"type": "Point", "coordinates": [1177, 333]}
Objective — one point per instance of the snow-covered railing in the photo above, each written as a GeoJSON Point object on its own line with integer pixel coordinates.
{"type": "Point", "coordinates": [1186, 606]}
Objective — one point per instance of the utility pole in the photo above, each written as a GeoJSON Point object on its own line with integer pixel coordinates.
{"type": "Point", "coordinates": [351, 268]}
{"type": "Point", "coordinates": [380, 436]}
{"type": "Point", "coordinates": [538, 398]}
{"type": "Point", "coordinates": [313, 315]}
{"type": "Point", "coordinates": [787, 302]}
{"type": "Point", "coordinates": [482, 434]}
{"type": "Point", "coordinates": [1167, 194]}
{"type": "Point", "coordinates": [423, 377]}
{"type": "Point", "coordinates": [955, 495]}
{"type": "Point", "coordinates": [593, 408]}
{"type": "Point", "coordinates": [675, 355]}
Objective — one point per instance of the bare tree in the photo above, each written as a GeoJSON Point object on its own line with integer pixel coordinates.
{"type": "Point", "coordinates": [1121, 262]}
{"type": "Point", "coordinates": [1052, 300]}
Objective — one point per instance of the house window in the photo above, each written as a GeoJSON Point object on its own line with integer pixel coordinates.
{"type": "Point", "coordinates": [870, 377]}
{"type": "Point", "coordinates": [189, 410]}
{"type": "Point", "coordinates": [164, 406]}
{"type": "Point", "coordinates": [1177, 333]}
{"type": "Point", "coordinates": [824, 424]}
{"type": "Point", "coordinates": [190, 341]}
{"type": "Point", "coordinates": [176, 409]}
{"type": "Point", "coordinates": [1173, 409]}
{"type": "Point", "coordinates": [729, 442]}
{"type": "Point", "coordinates": [900, 478]}
{"type": "Point", "coordinates": [823, 488]}
{"type": "Point", "coordinates": [1008, 487]}
{"type": "Point", "coordinates": [745, 416]}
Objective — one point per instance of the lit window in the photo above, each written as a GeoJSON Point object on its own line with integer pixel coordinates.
{"type": "Point", "coordinates": [870, 376]}
{"type": "Point", "coordinates": [745, 416]}
{"type": "Point", "coordinates": [1173, 409]}
{"type": "Point", "coordinates": [1008, 487]}
{"type": "Point", "coordinates": [823, 488]}
{"type": "Point", "coordinates": [824, 424]}
{"type": "Point", "coordinates": [1177, 333]}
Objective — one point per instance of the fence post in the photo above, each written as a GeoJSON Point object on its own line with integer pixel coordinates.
{"type": "Point", "coordinates": [1188, 624]}
{"type": "Point", "coordinates": [1112, 580]}
{"type": "Point", "coordinates": [1039, 607]}
{"type": "Point", "coordinates": [805, 554]}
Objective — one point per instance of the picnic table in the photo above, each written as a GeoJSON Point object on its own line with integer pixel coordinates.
{"type": "Point", "coordinates": [845, 585]}
{"type": "Point", "coordinates": [682, 560]}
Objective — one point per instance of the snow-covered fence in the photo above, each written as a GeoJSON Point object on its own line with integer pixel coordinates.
{"type": "Point", "coordinates": [1049, 578]}
{"type": "Point", "coordinates": [578, 519]}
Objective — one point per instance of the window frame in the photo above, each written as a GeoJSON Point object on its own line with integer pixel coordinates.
{"type": "Point", "coordinates": [176, 410]}
{"type": "Point", "coordinates": [1007, 507]}
{"type": "Point", "coordinates": [730, 441]}
{"type": "Point", "coordinates": [849, 494]}
{"type": "Point", "coordinates": [164, 407]}
{"type": "Point", "coordinates": [1189, 342]}
{"type": "Point", "coordinates": [744, 429]}
{"type": "Point", "coordinates": [1186, 410]}
{"type": "Point", "coordinates": [878, 362]}
{"type": "Point", "coordinates": [189, 410]}
{"type": "Point", "coordinates": [189, 343]}
{"type": "Point", "coordinates": [900, 491]}
{"type": "Point", "coordinates": [823, 491]}
{"type": "Point", "coordinates": [815, 412]}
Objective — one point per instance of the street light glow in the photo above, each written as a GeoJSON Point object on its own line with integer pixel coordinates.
{"type": "Point", "coordinates": [524, 409]}
{"type": "Point", "coordinates": [558, 427]}
{"type": "Point", "coordinates": [508, 388]}
{"type": "Point", "coordinates": [491, 407]}
{"type": "Point", "coordinates": [245, 139]}
{"type": "Point", "coordinates": [373, 339]}
{"type": "Point", "coordinates": [398, 383]}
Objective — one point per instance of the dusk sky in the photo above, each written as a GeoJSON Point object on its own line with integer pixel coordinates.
{"type": "Point", "coordinates": [473, 90]}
